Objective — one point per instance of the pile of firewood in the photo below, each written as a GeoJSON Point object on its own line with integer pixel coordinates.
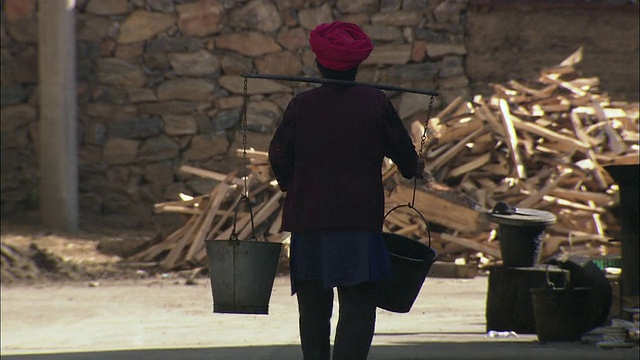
{"type": "Point", "coordinates": [538, 145]}
{"type": "Point", "coordinates": [246, 208]}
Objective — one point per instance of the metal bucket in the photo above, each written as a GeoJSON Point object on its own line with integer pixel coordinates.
{"type": "Point", "coordinates": [410, 261]}
{"type": "Point", "coordinates": [242, 272]}
{"type": "Point", "coordinates": [520, 246]}
{"type": "Point", "coordinates": [520, 233]}
{"type": "Point", "coordinates": [559, 312]}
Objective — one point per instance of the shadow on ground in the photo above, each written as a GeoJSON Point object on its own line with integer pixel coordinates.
{"type": "Point", "coordinates": [430, 350]}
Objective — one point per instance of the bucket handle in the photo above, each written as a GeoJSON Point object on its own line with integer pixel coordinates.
{"type": "Point", "coordinates": [234, 234]}
{"type": "Point", "coordinates": [410, 206]}
{"type": "Point", "coordinates": [565, 274]}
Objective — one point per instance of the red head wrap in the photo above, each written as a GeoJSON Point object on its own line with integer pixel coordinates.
{"type": "Point", "coordinates": [340, 45]}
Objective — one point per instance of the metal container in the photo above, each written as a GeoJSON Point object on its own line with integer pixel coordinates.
{"type": "Point", "coordinates": [242, 274]}
{"type": "Point", "coordinates": [520, 234]}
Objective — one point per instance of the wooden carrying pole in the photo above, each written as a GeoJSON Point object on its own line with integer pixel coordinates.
{"type": "Point", "coordinates": [338, 82]}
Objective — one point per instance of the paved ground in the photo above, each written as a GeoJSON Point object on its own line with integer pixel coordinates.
{"type": "Point", "coordinates": [166, 319]}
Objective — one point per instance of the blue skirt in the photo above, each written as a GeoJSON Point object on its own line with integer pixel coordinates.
{"type": "Point", "coordinates": [338, 258]}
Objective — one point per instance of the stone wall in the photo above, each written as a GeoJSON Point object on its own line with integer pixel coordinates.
{"type": "Point", "coordinates": [159, 85]}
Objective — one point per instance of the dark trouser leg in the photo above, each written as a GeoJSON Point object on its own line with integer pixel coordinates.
{"type": "Point", "coordinates": [356, 322]}
{"type": "Point", "coordinates": [315, 304]}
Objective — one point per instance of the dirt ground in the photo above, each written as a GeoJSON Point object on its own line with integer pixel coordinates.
{"type": "Point", "coordinates": [33, 254]}
{"type": "Point", "coordinates": [164, 318]}
{"type": "Point", "coordinates": [62, 298]}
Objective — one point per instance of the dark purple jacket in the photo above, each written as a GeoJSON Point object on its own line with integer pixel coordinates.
{"type": "Point", "coordinates": [327, 154]}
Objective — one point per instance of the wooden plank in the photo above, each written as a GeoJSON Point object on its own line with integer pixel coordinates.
{"type": "Point", "coordinates": [573, 59]}
{"type": "Point", "coordinates": [209, 174]}
{"type": "Point", "coordinates": [597, 172]}
{"type": "Point", "coordinates": [198, 250]}
{"type": "Point", "coordinates": [438, 151]}
{"type": "Point", "coordinates": [394, 218]}
{"type": "Point", "coordinates": [453, 151]}
{"type": "Point", "coordinates": [567, 143]}
{"type": "Point", "coordinates": [438, 210]}
{"type": "Point", "coordinates": [616, 145]}
{"type": "Point", "coordinates": [471, 165]}
{"type": "Point", "coordinates": [254, 154]}
{"type": "Point", "coordinates": [542, 93]}
{"type": "Point", "coordinates": [262, 214]}
{"type": "Point", "coordinates": [473, 245]}
{"type": "Point", "coordinates": [227, 214]}
{"type": "Point", "coordinates": [262, 172]}
{"type": "Point", "coordinates": [177, 209]}
{"type": "Point", "coordinates": [500, 167]}
{"type": "Point", "coordinates": [459, 130]}
{"type": "Point", "coordinates": [175, 252]}
{"type": "Point", "coordinates": [538, 195]}
{"type": "Point", "coordinates": [277, 223]}
{"type": "Point", "coordinates": [483, 143]}
{"type": "Point", "coordinates": [219, 193]}
{"type": "Point", "coordinates": [573, 205]}
{"type": "Point", "coordinates": [243, 220]}
{"type": "Point", "coordinates": [630, 159]}
{"type": "Point", "coordinates": [512, 139]}
{"type": "Point", "coordinates": [407, 229]}
{"type": "Point", "coordinates": [436, 123]}
{"type": "Point", "coordinates": [567, 85]}
{"type": "Point", "coordinates": [392, 170]}
{"type": "Point", "coordinates": [597, 221]}
{"type": "Point", "coordinates": [599, 199]}
{"type": "Point", "coordinates": [487, 115]}
{"type": "Point", "coordinates": [150, 253]}
{"type": "Point", "coordinates": [161, 207]}
{"type": "Point", "coordinates": [451, 108]}
{"type": "Point", "coordinates": [551, 244]}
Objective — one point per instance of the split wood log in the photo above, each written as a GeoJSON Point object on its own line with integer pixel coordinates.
{"type": "Point", "coordinates": [563, 143]}
{"type": "Point", "coordinates": [151, 252]}
{"type": "Point", "coordinates": [198, 240]}
{"type": "Point", "coordinates": [487, 115]}
{"type": "Point", "coordinates": [453, 151]}
{"type": "Point", "coordinates": [210, 174]}
{"type": "Point", "coordinates": [473, 245]}
{"type": "Point", "coordinates": [599, 199]}
{"type": "Point", "coordinates": [263, 156]}
{"type": "Point", "coordinates": [269, 208]}
{"type": "Point", "coordinates": [471, 165]}
{"type": "Point", "coordinates": [512, 139]}
{"type": "Point", "coordinates": [598, 174]}
{"type": "Point", "coordinates": [439, 210]}
{"type": "Point", "coordinates": [538, 195]}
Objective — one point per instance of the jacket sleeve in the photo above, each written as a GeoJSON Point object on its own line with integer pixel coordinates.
{"type": "Point", "coordinates": [398, 144]}
{"type": "Point", "coordinates": [281, 149]}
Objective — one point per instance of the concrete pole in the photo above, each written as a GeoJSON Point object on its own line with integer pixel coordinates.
{"type": "Point", "coordinates": [58, 123]}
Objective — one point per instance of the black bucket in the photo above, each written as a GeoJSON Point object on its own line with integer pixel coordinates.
{"type": "Point", "coordinates": [242, 272]}
{"type": "Point", "coordinates": [559, 312]}
{"type": "Point", "coordinates": [410, 261]}
{"type": "Point", "coordinates": [242, 275]}
{"type": "Point", "coordinates": [520, 233]}
{"type": "Point", "coordinates": [520, 246]}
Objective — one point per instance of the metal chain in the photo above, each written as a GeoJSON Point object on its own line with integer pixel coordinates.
{"type": "Point", "coordinates": [423, 140]}
{"type": "Point", "coordinates": [244, 134]}
{"type": "Point", "coordinates": [245, 196]}
{"type": "Point", "coordinates": [426, 124]}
